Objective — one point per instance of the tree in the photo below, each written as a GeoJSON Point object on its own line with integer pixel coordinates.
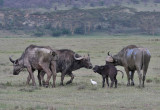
{"type": "Point", "coordinates": [148, 24]}
{"type": "Point", "coordinates": [1, 2]}
{"type": "Point", "coordinates": [156, 1]}
{"type": "Point", "coordinates": [135, 1]}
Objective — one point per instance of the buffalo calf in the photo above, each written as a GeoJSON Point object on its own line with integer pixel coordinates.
{"type": "Point", "coordinates": [107, 70]}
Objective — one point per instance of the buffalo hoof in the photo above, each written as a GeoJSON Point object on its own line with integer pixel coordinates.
{"type": "Point", "coordinates": [43, 83]}
{"type": "Point", "coordinates": [128, 84]}
{"type": "Point", "coordinates": [40, 85]}
{"type": "Point", "coordinates": [46, 85]}
{"type": "Point", "coordinates": [132, 83]}
{"type": "Point", "coordinates": [61, 84]}
{"type": "Point", "coordinates": [53, 86]}
{"type": "Point", "coordinates": [139, 86]}
{"type": "Point", "coordinates": [34, 84]}
{"type": "Point", "coordinates": [69, 82]}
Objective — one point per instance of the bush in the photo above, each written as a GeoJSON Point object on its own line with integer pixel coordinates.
{"type": "Point", "coordinates": [101, 3]}
{"type": "Point", "coordinates": [56, 33]}
{"type": "Point", "coordinates": [65, 31]}
{"type": "Point", "coordinates": [39, 33]}
{"type": "Point", "coordinates": [48, 26]}
{"type": "Point", "coordinates": [135, 1]}
{"type": "Point", "coordinates": [99, 27]}
{"type": "Point", "coordinates": [1, 2]}
{"type": "Point", "coordinates": [92, 4]}
{"type": "Point", "coordinates": [79, 30]}
{"type": "Point", "coordinates": [156, 1]}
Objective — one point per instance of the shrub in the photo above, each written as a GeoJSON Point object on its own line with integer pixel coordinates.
{"type": "Point", "coordinates": [39, 33]}
{"type": "Point", "coordinates": [92, 4]}
{"type": "Point", "coordinates": [56, 33]}
{"type": "Point", "coordinates": [156, 1]}
{"type": "Point", "coordinates": [48, 26]}
{"type": "Point", "coordinates": [65, 31]}
{"type": "Point", "coordinates": [79, 30]}
{"type": "Point", "coordinates": [135, 1]}
{"type": "Point", "coordinates": [1, 2]}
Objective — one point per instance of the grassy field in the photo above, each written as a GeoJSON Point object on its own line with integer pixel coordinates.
{"type": "Point", "coordinates": [80, 95]}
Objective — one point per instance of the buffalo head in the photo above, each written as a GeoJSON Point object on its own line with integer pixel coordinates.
{"type": "Point", "coordinates": [17, 67]}
{"type": "Point", "coordinates": [84, 61]}
{"type": "Point", "coordinates": [98, 69]}
{"type": "Point", "coordinates": [115, 60]}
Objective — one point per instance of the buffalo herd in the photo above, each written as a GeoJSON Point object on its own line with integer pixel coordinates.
{"type": "Point", "coordinates": [50, 61]}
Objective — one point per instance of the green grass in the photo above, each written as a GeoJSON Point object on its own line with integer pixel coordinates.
{"type": "Point", "coordinates": [80, 95]}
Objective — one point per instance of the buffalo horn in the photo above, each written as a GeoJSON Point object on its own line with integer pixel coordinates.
{"type": "Point", "coordinates": [109, 54]}
{"type": "Point", "coordinates": [11, 60]}
{"type": "Point", "coordinates": [79, 58]}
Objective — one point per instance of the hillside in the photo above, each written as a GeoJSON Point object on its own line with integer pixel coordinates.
{"type": "Point", "coordinates": [112, 20]}
{"type": "Point", "coordinates": [140, 5]}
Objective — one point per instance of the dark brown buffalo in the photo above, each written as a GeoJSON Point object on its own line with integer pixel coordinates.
{"type": "Point", "coordinates": [132, 58]}
{"type": "Point", "coordinates": [68, 61]}
{"type": "Point", "coordinates": [36, 58]}
{"type": "Point", "coordinates": [108, 70]}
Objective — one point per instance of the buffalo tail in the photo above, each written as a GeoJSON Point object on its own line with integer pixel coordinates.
{"type": "Point", "coordinates": [121, 72]}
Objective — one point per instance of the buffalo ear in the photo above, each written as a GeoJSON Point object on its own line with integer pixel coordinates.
{"type": "Point", "coordinates": [16, 62]}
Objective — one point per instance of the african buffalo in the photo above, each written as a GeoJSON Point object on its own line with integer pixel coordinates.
{"type": "Point", "coordinates": [68, 61]}
{"type": "Point", "coordinates": [36, 58]}
{"type": "Point", "coordinates": [107, 70]}
{"type": "Point", "coordinates": [132, 58]}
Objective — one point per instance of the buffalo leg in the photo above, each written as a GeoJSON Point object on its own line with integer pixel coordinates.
{"type": "Point", "coordinates": [28, 79]}
{"type": "Point", "coordinates": [146, 61]}
{"type": "Point", "coordinates": [112, 82]}
{"type": "Point", "coordinates": [62, 78]}
{"type": "Point", "coordinates": [128, 76]}
{"type": "Point", "coordinates": [49, 73]}
{"type": "Point", "coordinates": [107, 81]}
{"type": "Point", "coordinates": [139, 75]}
{"type": "Point", "coordinates": [103, 82]}
{"type": "Point", "coordinates": [132, 77]}
{"type": "Point", "coordinates": [115, 82]}
{"type": "Point", "coordinates": [144, 76]}
{"type": "Point", "coordinates": [72, 77]}
{"type": "Point", "coordinates": [39, 78]}
{"type": "Point", "coordinates": [145, 67]}
{"type": "Point", "coordinates": [29, 69]}
{"type": "Point", "coordinates": [42, 73]}
{"type": "Point", "coordinates": [53, 68]}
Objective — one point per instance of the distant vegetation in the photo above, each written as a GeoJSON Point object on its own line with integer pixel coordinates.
{"type": "Point", "coordinates": [109, 16]}
{"type": "Point", "coordinates": [68, 4]}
